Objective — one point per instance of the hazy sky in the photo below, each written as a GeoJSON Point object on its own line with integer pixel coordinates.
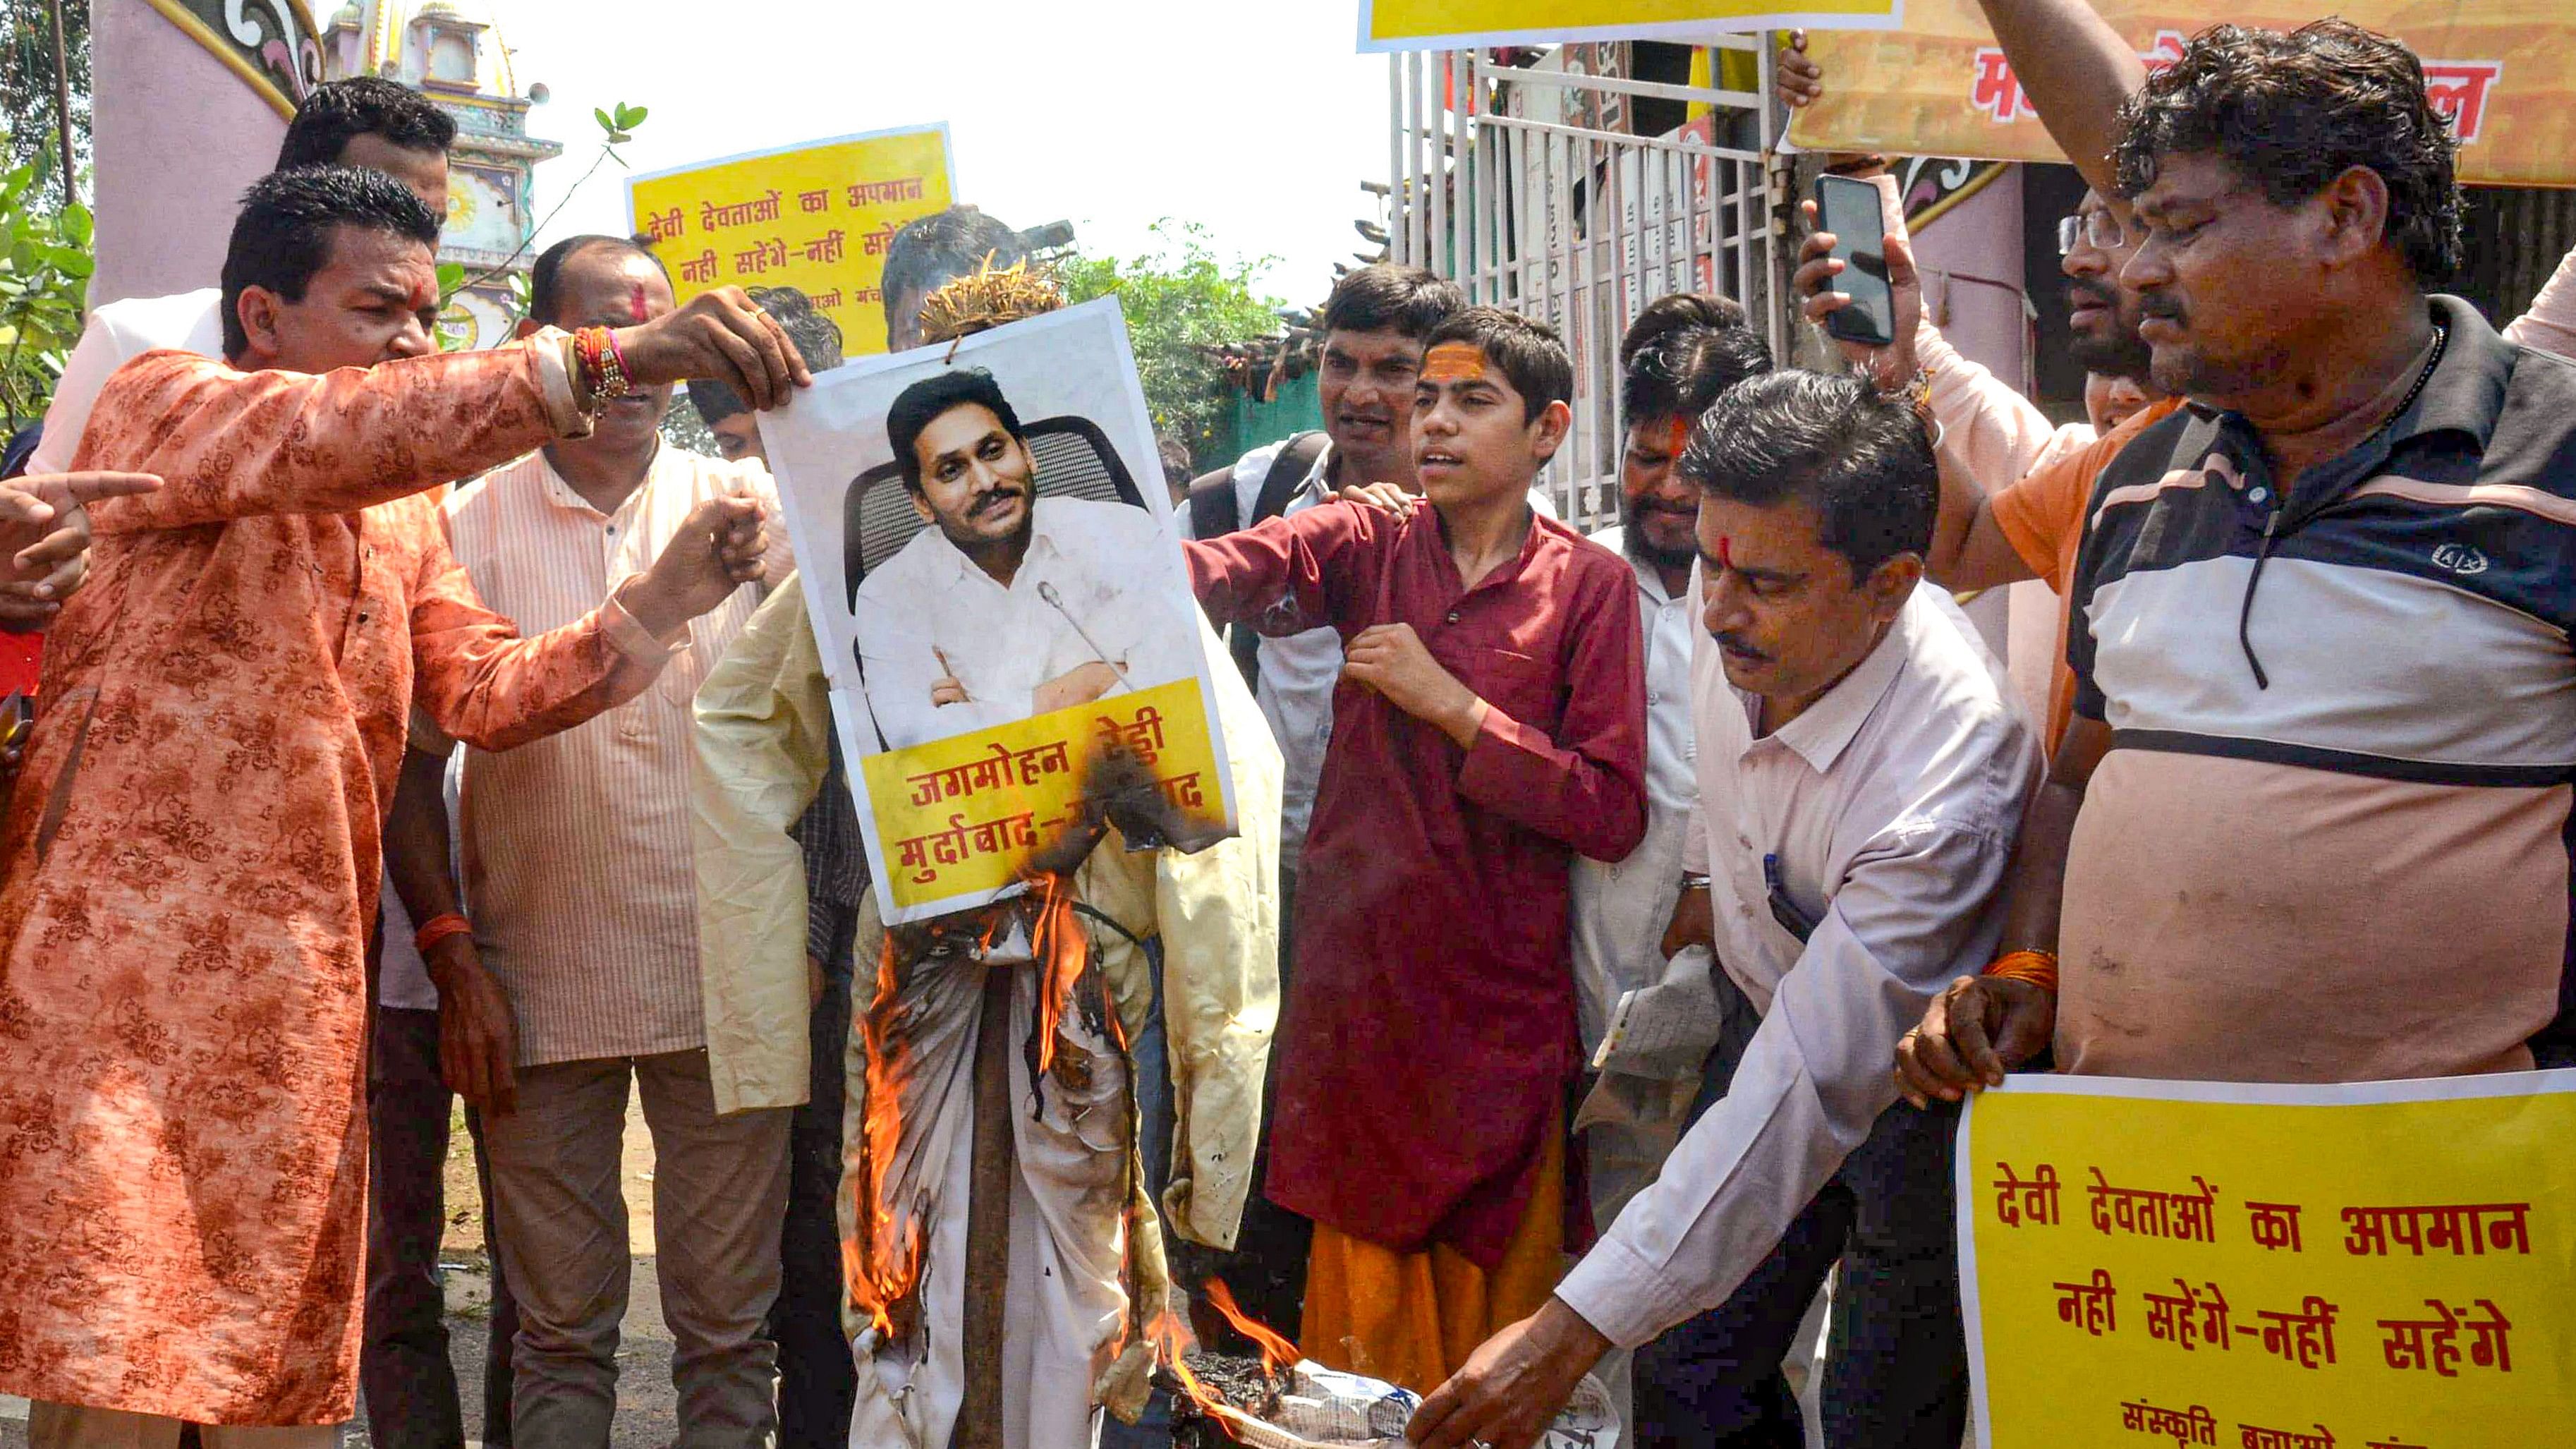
{"type": "Point", "coordinates": [1258, 121]}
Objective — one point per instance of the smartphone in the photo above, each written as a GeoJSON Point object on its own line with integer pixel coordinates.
{"type": "Point", "coordinates": [1849, 208]}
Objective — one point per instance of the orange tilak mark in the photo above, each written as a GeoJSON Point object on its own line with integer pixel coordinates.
{"type": "Point", "coordinates": [1677, 436]}
{"type": "Point", "coordinates": [1726, 553]}
{"type": "Point", "coordinates": [1454, 362]}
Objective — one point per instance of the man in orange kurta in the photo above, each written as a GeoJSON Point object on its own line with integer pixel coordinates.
{"type": "Point", "coordinates": [191, 857]}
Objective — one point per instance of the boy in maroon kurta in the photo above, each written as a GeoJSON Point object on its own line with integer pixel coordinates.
{"type": "Point", "coordinates": [1489, 724]}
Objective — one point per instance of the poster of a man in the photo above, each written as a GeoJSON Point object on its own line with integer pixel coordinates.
{"type": "Point", "coordinates": [1010, 608]}
{"type": "Point", "coordinates": [1005, 604]}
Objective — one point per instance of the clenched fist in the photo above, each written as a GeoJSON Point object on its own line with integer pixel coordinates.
{"type": "Point", "coordinates": [720, 335]}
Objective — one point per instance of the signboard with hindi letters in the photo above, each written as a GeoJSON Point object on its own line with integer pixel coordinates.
{"type": "Point", "coordinates": [2504, 71]}
{"type": "Point", "coordinates": [981, 716]}
{"type": "Point", "coordinates": [816, 217]}
{"type": "Point", "coordinates": [1465, 24]}
{"type": "Point", "coordinates": [2388, 1265]}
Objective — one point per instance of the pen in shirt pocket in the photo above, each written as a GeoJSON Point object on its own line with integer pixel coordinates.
{"type": "Point", "coordinates": [1784, 910]}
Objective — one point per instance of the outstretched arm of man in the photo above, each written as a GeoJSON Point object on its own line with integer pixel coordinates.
{"type": "Point", "coordinates": [2077, 71]}
{"type": "Point", "coordinates": [288, 442]}
{"type": "Point", "coordinates": [484, 684]}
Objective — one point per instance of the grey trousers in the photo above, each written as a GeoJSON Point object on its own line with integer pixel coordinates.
{"type": "Point", "coordinates": [719, 1195]}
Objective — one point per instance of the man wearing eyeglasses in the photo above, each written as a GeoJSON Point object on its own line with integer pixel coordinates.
{"type": "Point", "coordinates": [1993, 532]}
{"type": "Point", "coordinates": [2006, 513]}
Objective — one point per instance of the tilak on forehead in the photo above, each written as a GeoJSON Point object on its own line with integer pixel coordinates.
{"type": "Point", "coordinates": [1677, 431]}
{"type": "Point", "coordinates": [635, 302]}
{"type": "Point", "coordinates": [1725, 552]}
{"type": "Point", "coordinates": [1454, 362]}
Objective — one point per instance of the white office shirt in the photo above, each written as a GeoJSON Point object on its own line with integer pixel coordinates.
{"type": "Point", "coordinates": [1115, 569]}
{"type": "Point", "coordinates": [1621, 909]}
{"type": "Point", "coordinates": [1298, 672]}
{"type": "Point", "coordinates": [1891, 806]}
{"type": "Point", "coordinates": [115, 335]}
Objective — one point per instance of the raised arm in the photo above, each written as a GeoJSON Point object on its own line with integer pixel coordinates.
{"type": "Point", "coordinates": [237, 444]}
{"type": "Point", "coordinates": [2550, 325]}
{"type": "Point", "coordinates": [1293, 573]}
{"type": "Point", "coordinates": [481, 683]}
{"type": "Point", "coordinates": [2077, 71]}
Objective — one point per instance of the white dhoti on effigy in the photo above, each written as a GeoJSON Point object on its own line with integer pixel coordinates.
{"type": "Point", "coordinates": [1084, 1248]}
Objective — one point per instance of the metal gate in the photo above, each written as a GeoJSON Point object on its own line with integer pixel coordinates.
{"type": "Point", "coordinates": [1527, 186]}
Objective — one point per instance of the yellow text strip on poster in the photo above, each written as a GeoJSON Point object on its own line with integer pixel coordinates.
{"type": "Point", "coordinates": [2501, 70]}
{"type": "Point", "coordinates": [815, 217]}
{"type": "Point", "coordinates": [2152, 1265]}
{"type": "Point", "coordinates": [1462, 24]}
{"type": "Point", "coordinates": [960, 817]}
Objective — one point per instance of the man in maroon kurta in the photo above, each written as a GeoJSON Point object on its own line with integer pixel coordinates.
{"type": "Point", "coordinates": [1488, 725]}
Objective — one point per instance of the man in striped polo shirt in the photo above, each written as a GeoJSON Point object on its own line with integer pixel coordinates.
{"type": "Point", "coordinates": [2312, 820]}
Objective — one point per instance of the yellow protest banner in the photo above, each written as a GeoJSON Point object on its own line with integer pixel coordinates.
{"type": "Point", "coordinates": [1462, 24]}
{"type": "Point", "coordinates": [816, 217]}
{"type": "Point", "coordinates": [2502, 70]}
{"type": "Point", "coordinates": [961, 816]}
{"type": "Point", "coordinates": [2383, 1266]}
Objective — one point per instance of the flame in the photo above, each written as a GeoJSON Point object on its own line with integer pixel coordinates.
{"type": "Point", "coordinates": [1277, 1353]}
{"type": "Point", "coordinates": [1063, 953]}
{"type": "Point", "coordinates": [881, 1263]}
{"type": "Point", "coordinates": [1170, 1338]}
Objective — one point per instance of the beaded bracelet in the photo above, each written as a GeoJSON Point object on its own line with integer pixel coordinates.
{"type": "Point", "coordinates": [603, 364]}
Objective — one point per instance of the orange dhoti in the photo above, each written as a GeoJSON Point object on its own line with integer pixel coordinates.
{"type": "Point", "coordinates": [1411, 1319]}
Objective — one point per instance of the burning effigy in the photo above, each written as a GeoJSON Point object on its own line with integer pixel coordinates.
{"type": "Point", "coordinates": [1002, 1256]}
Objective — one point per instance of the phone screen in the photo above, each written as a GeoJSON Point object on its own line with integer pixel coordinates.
{"type": "Point", "coordinates": [1849, 208]}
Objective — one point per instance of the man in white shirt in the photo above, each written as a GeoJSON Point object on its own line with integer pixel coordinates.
{"type": "Point", "coordinates": [1862, 772]}
{"type": "Point", "coordinates": [1003, 609]}
{"type": "Point", "coordinates": [1650, 1016]}
{"type": "Point", "coordinates": [364, 121]}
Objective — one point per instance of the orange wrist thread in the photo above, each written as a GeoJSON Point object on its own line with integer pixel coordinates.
{"type": "Point", "coordinates": [440, 928]}
{"type": "Point", "coordinates": [2039, 968]}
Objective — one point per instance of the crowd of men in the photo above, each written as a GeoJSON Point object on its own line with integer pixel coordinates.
{"type": "Point", "coordinates": [1634, 911]}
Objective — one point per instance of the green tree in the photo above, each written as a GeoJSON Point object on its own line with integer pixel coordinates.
{"type": "Point", "coordinates": [1181, 301]}
{"type": "Point", "coordinates": [27, 94]}
{"type": "Point", "coordinates": [44, 272]}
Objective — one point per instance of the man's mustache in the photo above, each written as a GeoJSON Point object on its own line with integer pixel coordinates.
{"type": "Point", "coordinates": [2082, 292]}
{"type": "Point", "coordinates": [1004, 493]}
{"type": "Point", "coordinates": [2159, 304]}
{"type": "Point", "coordinates": [1737, 644]}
